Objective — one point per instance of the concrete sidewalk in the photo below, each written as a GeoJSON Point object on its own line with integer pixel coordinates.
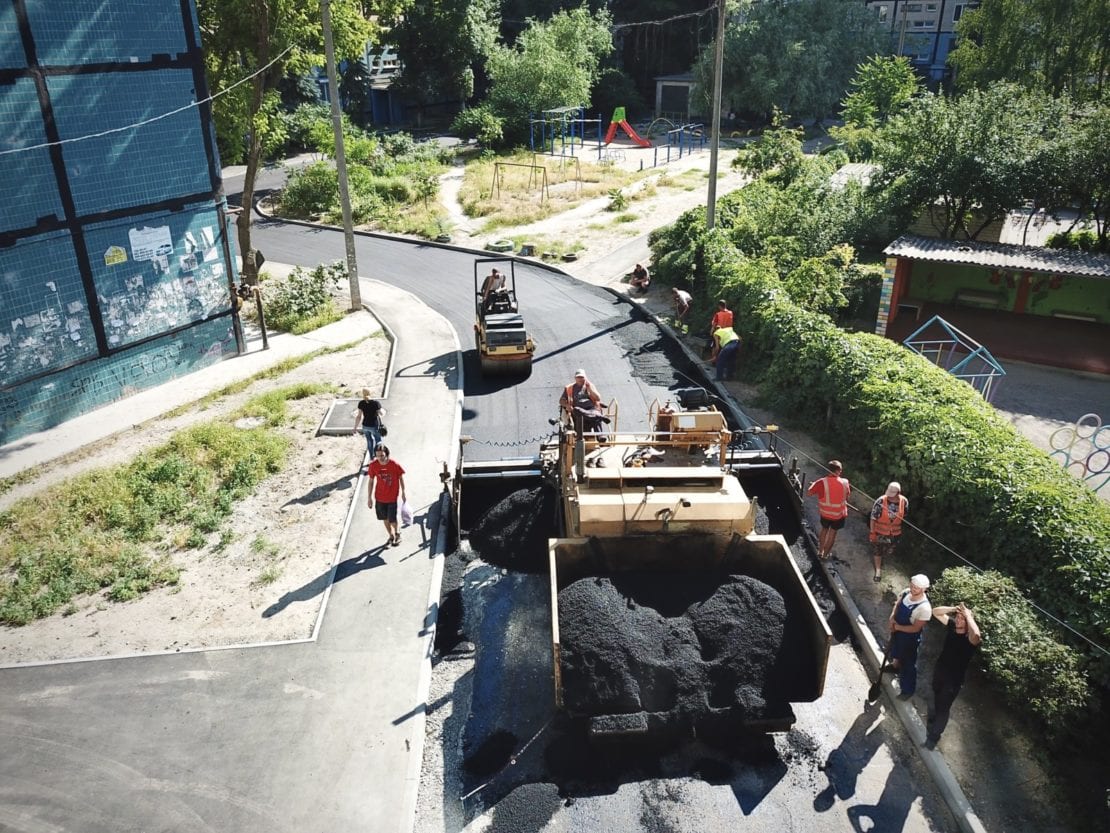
{"type": "Point", "coordinates": [325, 734]}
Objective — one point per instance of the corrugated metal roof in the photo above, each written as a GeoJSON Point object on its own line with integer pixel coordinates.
{"type": "Point", "coordinates": [1001, 256]}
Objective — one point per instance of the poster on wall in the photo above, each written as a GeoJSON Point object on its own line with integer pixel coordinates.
{"type": "Point", "coordinates": [148, 243]}
{"type": "Point", "coordinates": [115, 255]}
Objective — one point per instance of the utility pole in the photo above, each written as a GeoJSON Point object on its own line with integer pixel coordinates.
{"type": "Point", "coordinates": [340, 157]}
{"type": "Point", "coordinates": [715, 135]}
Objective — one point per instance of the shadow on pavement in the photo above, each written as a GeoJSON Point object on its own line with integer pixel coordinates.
{"type": "Point", "coordinates": [365, 561]}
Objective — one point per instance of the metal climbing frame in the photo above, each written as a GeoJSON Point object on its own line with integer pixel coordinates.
{"type": "Point", "coordinates": [958, 353]}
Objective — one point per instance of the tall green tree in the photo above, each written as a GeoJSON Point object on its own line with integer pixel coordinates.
{"type": "Point", "coordinates": [796, 55]}
{"type": "Point", "coordinates": [970, 159]}
{"type": "Point", "coordinates": [1055, 45]}
{"type": "Point", "coordinates": [883, 85]}
{"type": "Point", "coordinates": [553, 64]}
{"type": "Point", "coordinates": [240, 38]}
{"type": "Point", "coordinates": [439, 43]}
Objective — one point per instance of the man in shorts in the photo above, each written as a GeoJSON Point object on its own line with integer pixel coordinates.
{"type": "Point", "coordinates": [832, 493]}
{"type": "Point", "coordinates": [387, 482]}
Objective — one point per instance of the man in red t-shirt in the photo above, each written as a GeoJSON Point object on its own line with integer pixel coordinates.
{"type": "Point", "coordinates": [832, 492]}
{"type": "Point", "coordinates": [387, 481]}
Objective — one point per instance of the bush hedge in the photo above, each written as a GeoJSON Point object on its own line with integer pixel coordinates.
{"type": "Point", "coordinates": [978, 485]}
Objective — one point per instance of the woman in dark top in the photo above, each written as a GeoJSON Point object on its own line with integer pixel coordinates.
{"type": "Point", "coordinates": [369, 420]}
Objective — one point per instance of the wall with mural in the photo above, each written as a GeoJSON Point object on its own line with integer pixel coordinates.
{"type": "Point", "coordinates": [116, 263]}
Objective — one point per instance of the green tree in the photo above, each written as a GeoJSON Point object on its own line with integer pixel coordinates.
{"type": "Point", "coordinates": [797, 55]}
{"type": "Point", "coordinates": [553, 64]}
{"type": "Point", "coordinates": [777, 153]}
{"type": "Point", "coordinates": [1054, 45]}
{"type": "Point", "coordinates": [269, 39]}
{"type": "Point", "coordinates": [882, 86]}
{"type": "Point", "coordinates": [354, 90]}
{"type": "Point", "coordinates": [439, 44]}
{"type": "Point", "coordinates": [971, 159]}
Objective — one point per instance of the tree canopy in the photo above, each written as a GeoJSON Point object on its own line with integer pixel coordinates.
{"type": "Point", "coordinates": [1056, 45]}
{"type": "Point", "coordinates": [796, 55]}
{"type": "Point", "coordinates": [241, 37]}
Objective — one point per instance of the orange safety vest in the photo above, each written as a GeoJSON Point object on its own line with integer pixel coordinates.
{"type": "Point", "coordinates": [587, 388]}
{"type": "Point", "coordinates": [832, 502]}
{"type": "Point", "coordinates": [885, 524]}
{"type": "Point", "coordinates": [722, 318]}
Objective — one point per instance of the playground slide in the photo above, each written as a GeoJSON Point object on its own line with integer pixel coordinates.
{"type": "Point", "coordinates": [627, 128]}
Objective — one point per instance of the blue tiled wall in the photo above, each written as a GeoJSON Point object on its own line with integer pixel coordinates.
{"type": "Point", "coordinates": [144, 252]}
{"type": "Point", "coordinates": [42, 404]}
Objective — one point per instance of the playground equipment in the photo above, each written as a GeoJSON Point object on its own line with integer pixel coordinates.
{"type": "Point", "coordinates": [958, 353]}
{"type": "Point", "coordinates": [620, 121]}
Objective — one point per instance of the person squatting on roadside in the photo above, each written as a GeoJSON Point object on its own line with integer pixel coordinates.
{"type": "Point", "coordinates": [728, 344]}
{"type": "Point", "coordinates": [908, 618]}
{"type": "Point", "coordinates": [961, 639]}
{"type": "Point", "coordinates": [582, 403]}
{"type": "Point", "coordinates": [369, 420]}
{"type": "Point", "coordinates": [641, 280]}
{"type": "Point", "coordinates": [721, 318]}
{"type": "Point", "coordinates": [832, 493]}
{"type": "Point", "coordinates": [886, 525]}
{"type": "Point", "coordinates": [681, 300]}
{"type": "Point", "coordinates": [387, 482]}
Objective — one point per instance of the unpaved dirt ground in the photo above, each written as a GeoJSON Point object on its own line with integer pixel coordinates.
{"type": "Point", "coordinates": [267, 583]}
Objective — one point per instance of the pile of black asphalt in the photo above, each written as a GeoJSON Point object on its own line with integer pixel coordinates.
{"type": "Point", "coordinates": [669, 641]}
{"type": "Point", "coordinates": [513, 534]}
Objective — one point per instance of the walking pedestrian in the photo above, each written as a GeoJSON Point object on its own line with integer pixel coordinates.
{"type": "Point", "coordinates": [728, 347]}
{"type": "Point", "coordinates": [368, 419]}
{"type": "Point", "coordinates": [832, 493]}
{"type": "Point", "coordinates": [886, 525]}
{"type": "Point", "coordinates": [908, 618]}
{"type": "Point", "coordinates": [387, 483]}
{"type": "Point", "coordinates": [721, 318]}
{"type": "Point", "coordinates": [961, 640]}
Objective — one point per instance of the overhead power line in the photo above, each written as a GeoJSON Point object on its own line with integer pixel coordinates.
{"type": "Point", "coordinates": [152, 119]}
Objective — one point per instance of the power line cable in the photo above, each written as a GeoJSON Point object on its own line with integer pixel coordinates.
{"type": "Point", "coordinates": [210, 98]}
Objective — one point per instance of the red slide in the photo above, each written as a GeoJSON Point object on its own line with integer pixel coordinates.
{"type": "Point", "coordinates": [627, 128]}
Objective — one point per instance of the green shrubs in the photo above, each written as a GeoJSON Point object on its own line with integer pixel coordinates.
{"type": "Point", "coordinates": [93, 532]}
{"type": "Point", "coordinates": [303, 302]}
{"type": "Point", "coordinates": [1033, 669]}
{"type": "Point", "coordinates": [479, 123]}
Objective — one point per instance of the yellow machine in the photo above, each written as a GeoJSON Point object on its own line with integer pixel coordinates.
{"type": "Point", "coordinates": [504, 346]}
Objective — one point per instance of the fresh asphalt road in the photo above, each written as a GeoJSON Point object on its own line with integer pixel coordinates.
{"type": "Point", "coordinates": [262, 739]}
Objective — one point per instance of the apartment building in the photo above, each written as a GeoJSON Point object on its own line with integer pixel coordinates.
{"type": "Point", "coordinates": [923, 30]}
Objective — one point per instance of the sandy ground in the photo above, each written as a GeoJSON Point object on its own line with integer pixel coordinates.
{"type": "Point", "coordinates": [283, 538]}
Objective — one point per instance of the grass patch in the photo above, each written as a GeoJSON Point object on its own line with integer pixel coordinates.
{"type": "Point", "coordinates": [517, 201]}
{"type": "Point", "coordinates": [264, 546]}
{"type": "Point", "coordinates": [626, 217]}
{"type": "Point", "coordinates": [558, 245]}
{"type": "Point", "coordinates": [93, 532]}
{"type": "Point", "coordinates": [268, 576]}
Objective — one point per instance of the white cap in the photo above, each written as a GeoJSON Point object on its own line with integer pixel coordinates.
{"type": "Point", "coordinates": [893, 488]}
{"type": "Point", "coordinates": [920, 580]}
{"type": "Point", "coordinates": [580, 372]}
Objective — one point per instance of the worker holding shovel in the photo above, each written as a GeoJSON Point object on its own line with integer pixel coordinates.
{"type": "Point", "coordinates": [908, 618]}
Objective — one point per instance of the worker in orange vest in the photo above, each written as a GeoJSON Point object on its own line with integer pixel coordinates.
{"type": "Point", "coordinates": [721, 318]}
{"type": "Point", "coordinates": [832, 493]}
{"type": "Point", "coordinates": [886, 525]}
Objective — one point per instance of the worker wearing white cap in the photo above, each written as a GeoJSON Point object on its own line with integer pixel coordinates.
{"type": "Point", "coordinates": [886, 525]}
{"type": "Point", "coordinates": [580, 395]}
{"type": "Point", "coordinates": [908, 618]}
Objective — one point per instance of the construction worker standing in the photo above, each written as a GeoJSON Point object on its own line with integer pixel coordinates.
{"type": "Point", "coordinates": [886, 525]}
{"type": "Point", "coordinates": [832, 493]}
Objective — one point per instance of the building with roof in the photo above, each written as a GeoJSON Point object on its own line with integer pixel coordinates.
{"type": "Point", "coordinates": [116, 269]}
{"type": "Point", "coordinates": [923, 30]}
{"type": "Point", "coordinates": [1046, 306]}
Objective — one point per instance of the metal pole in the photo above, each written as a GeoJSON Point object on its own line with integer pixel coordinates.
{"type": "Point", "coordinates": [340, 158]}
{"type": "Point", "coordinates": [715, 140]}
